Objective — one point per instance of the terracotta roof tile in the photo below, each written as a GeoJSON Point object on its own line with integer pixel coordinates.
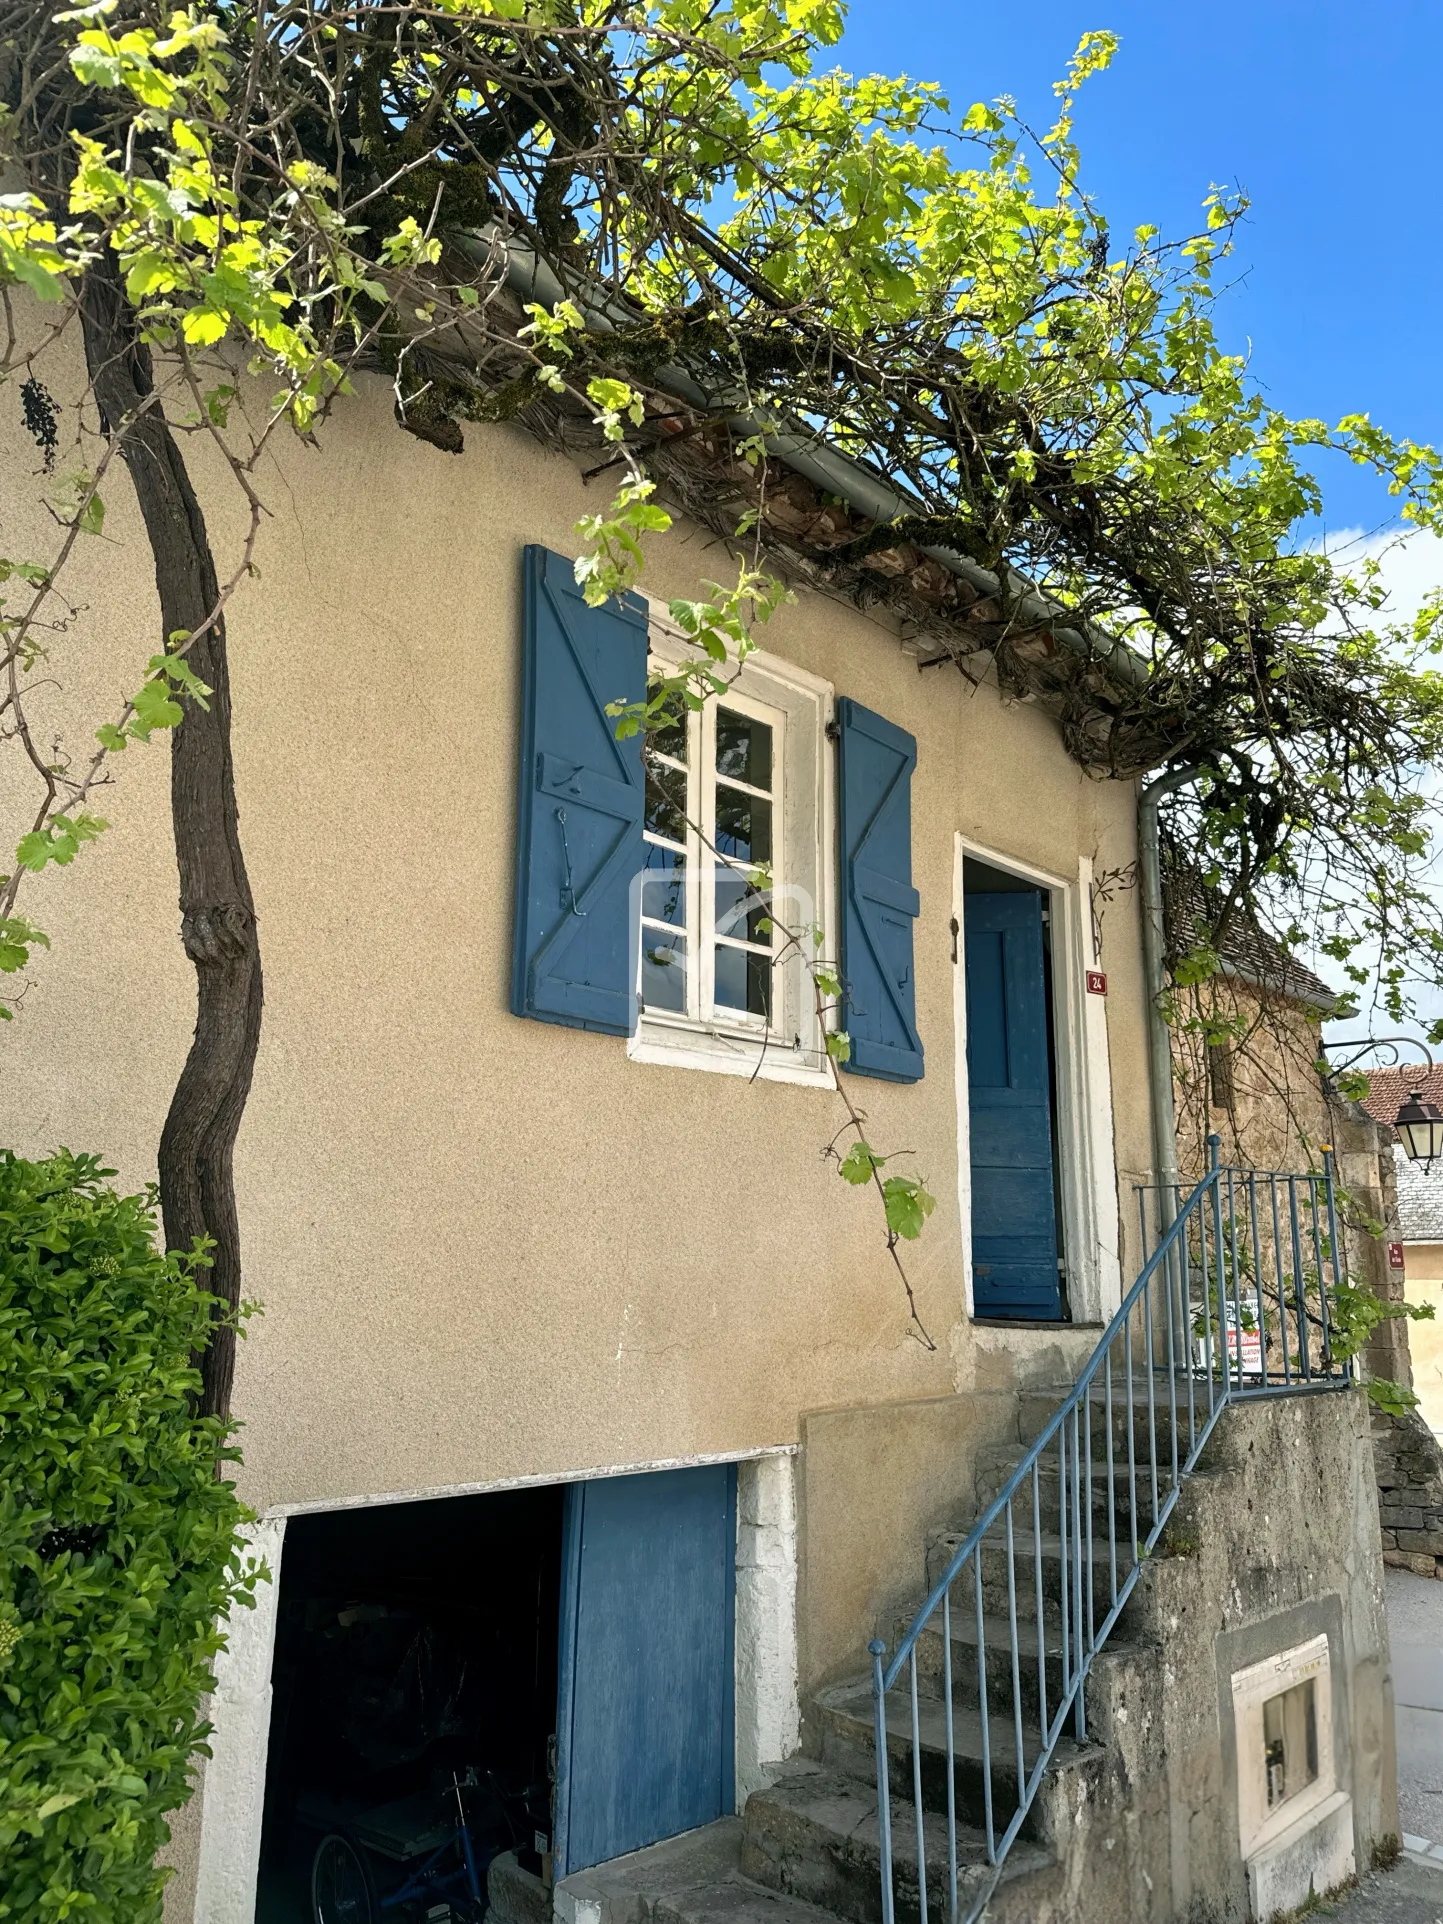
{"type": "Point", "coordinates": [1388, 1088]}
{"type": "Point", "coordinates": [1248, 951]}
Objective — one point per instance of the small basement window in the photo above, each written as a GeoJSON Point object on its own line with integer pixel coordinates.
{"type": "Point", "coordinates": [1283, 1715]}
{"type": "Point", "coordinates": [1290, 1741]}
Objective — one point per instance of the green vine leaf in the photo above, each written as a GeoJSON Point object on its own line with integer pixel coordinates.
{"type": "Point", "coordinates": [860, 1164]}
{"type": "Point", "coordinates": [60, 841]}
{"type": "Point", "coordinates": [909, 1203]}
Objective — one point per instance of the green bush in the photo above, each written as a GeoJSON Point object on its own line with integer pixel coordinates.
{"type": "Point", "coordinates": [118, 1543]}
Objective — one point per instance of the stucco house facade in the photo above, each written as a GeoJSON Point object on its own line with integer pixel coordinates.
{"type": "Point", "coordinates": [1420, 1232]}
{"type": "Point", "coordinates": [1415, 1240]}
{"type": "Point", "coordinates": [563, 1312]}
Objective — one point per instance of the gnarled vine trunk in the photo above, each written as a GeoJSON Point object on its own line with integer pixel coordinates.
{"type": "Point", "coordinates": [218, 922]}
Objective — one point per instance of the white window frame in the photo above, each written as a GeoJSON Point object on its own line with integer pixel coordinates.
{"type": "Point", "coordinates": [798, 705]}
{"type": "Point", "coordinates": [1087, 1174]}
{"type": "Point", "coordinates": [1252, 1689]}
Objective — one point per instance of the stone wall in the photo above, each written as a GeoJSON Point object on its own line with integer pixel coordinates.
{"type": "Point", "coordinates": [1273, 1543]}
{"type": "Point", "coordinates": [1277, 1115]}
{"type": "Point", "coordinates": [1409, 1467]}
{"type": "Point", "coordinates": [1277, 1540]}
{"type": "Point", "coordinates": [1406, 1457]}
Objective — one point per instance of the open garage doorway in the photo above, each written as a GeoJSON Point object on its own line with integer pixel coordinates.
{"type": "Point", "coordinates": [476, 1694]}
{"type": "Point", "coordinates": [414, 1678]}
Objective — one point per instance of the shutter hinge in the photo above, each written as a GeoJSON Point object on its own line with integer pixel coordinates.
{"type": "Point", "coordinates": [833, 731]}
{"type": "Point", "coordinates": [956, 928]}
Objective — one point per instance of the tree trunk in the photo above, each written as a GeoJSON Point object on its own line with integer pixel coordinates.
{"type": "Point", "coordinates": [218, 923]}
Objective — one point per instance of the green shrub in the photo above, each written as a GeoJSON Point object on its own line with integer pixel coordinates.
{"type": "Point", "coordinates": [118, 1543]}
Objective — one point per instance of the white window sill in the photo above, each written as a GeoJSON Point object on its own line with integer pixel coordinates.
{"type": "Point", "coordinates": [686, 1045]}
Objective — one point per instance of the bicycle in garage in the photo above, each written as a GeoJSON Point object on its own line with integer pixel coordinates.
{"type": "Point", "coordinates": [408, 1858]}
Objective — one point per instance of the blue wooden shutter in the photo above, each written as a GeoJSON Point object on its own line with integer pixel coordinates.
{"type": "Point", "coordinates": [578, 829]}
{"type": "Point", "coordinates": [879, 903]}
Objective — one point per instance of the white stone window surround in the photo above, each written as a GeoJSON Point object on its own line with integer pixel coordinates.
{"type": "Point", "coordinates": [733, 1044]}
{"type": "Point", "coordinates": [1091, 1241]}
{"type": "Point", "coordinates": [1252, 1689]}
{"type": "Point", "coordinates": [767, 1707]}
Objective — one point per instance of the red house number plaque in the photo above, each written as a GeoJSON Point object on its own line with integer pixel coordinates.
{"type": "Point", "coordinates": [1395, 1256]}
{"type": "Point", "coordinates": [1096, 982]}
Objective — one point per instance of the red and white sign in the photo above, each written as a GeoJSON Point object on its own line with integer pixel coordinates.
{"type": "Point", "coordinates": [1096, 982]}
{"type": "Point", "coordinates": [1395, 1256]}
{"type": "Point", "coordinates": [1247, 1349]}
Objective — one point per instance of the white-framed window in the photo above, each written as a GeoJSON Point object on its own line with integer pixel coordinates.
{"type": "Point", "coordinates": [1283, 1717]}
{"type": "Point", "coordinates": [737, 784]}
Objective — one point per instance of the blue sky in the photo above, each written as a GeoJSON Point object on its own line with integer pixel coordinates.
{"type": "Point", "coordinates": [1326, 112]}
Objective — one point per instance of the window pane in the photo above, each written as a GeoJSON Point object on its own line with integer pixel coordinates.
{"type": "Point", "coordinates": [663, 886]}
{"type": "Point", "coordinates": [738, 912]}
{"type": "Point", "coordinates": [743, 825]}
{"type": "Point", "coordinates": [1290, 1742]}
{"type": "Point", "coordinates": [666, 801]}
{"type": "Point", "coordinates": [663, 970]}
{"type": "Point", "coordinates": [670, 737]}
{"type": "Point", "coordinates": [743, 980]}
{"type": "Point", "coordinates": [743, 748]}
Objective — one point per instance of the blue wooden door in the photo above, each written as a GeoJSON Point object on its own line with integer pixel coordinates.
{"type": "Point", "coordinates": [644, 1740]}
{"type": "Point", "coordinates": [1014, 1213]}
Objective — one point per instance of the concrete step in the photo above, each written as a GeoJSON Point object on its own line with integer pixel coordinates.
{"type": "Point", "coordinates": [514, 1895]}
{"type": "Point", "coordinates": [996, 1465]}
{"type": "Point", "coordinates": [814, 1834]}
{"type": "Point", "coordinates": [841, 1728]}
{"type": "Point", "coordinates": [1035, 1411]}
{"type": "Point", "coordinates": [692, 1879]}
{"type": "Point", "coordinates": [1111, 1564]}
{"type": "Point", "coordinates": [997, 1645]}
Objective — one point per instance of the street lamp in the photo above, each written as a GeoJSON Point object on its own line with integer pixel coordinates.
{"type": "Point", "coordinates": [1420, 1128]}
{"type": "Point", "coordinates": [1419, 1125]}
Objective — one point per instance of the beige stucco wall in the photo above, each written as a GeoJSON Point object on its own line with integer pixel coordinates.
{"type": "Point", "coordinates": [490, 1248]}
{"type": "Point", "coordinates": [1423, 1284]}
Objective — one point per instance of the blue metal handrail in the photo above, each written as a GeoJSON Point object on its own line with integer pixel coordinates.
{"type": "Point", "coordinates": [1244, 1268]}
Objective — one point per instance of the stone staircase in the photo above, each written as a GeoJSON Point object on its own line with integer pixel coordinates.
{"type": "Point", "coordinates": [806, 1850]}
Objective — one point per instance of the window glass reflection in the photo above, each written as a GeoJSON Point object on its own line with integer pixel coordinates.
{"type": "Point", "coordinates": [743, 748]}
{"type": "Point", "coordinates": [743, 825]}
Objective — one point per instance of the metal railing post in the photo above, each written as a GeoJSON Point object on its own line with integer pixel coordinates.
{"type": "Point", "coordinates": [1335, 1248]}
{"type": "Point", "coordinates": [884, 1793]}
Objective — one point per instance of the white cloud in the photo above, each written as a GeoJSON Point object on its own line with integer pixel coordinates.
{"type": "Point", "coordinates": [1411, 561]}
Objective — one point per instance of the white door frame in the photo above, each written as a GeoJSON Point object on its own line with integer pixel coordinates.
{"type": "Point", "coordinates": [1086, 1147]}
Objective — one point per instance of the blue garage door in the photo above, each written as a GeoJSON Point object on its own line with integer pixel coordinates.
{"type": "Point", "coordinates": [645, 1712]}
{"type": "Point", "coordinates": [1014, 1218]}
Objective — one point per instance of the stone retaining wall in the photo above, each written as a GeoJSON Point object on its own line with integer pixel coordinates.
{"type": "Point", "coordinates": [1406, 1457]}
{"type": "Point", "coordinates": [1409, 1467]}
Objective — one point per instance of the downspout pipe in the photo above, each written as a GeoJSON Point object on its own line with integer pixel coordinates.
{"type": "Point", "coordinates": [1154, 967]}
